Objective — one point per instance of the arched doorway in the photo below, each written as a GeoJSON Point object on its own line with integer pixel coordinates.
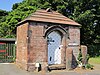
{"type": "Point", "coordinates": [54, 47]}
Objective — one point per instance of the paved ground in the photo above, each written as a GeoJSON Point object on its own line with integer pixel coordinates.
{"type": "Point", "coordinates": [12, 69]}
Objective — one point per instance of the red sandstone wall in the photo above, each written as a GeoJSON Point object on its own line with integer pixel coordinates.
{"type": "Point", "coordinates": [74, 43]}
{"type": "Point", "coordinates": [32, 46]}
{"type": "Point", "coordinates": [37, 44]}
{"type": "Point", "coordinates": [74, 39]}
{"type": "Point", "coordinates": [21, 54]}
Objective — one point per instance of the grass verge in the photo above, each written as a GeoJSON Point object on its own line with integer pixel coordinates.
{"type": "Point", "coordinates": [94, 60]}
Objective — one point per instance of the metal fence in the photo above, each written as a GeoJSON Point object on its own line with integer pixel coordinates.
{"type": "Point", "coordinates": [7, 52]}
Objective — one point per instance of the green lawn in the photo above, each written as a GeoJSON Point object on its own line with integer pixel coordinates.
{"type": "Point", "coordinates": [95, 60]}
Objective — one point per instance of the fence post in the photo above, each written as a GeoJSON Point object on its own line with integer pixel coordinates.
{"type": "Point", "coordinates": [14, 52]}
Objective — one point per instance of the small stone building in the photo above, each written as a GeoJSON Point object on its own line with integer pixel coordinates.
{"type": "Point", "coordinates": [47, 39]}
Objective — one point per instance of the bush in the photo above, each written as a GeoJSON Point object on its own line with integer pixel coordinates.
{"type": "Point", "coordinates": [89, 66]}
{"type": "Point", "coordinates": [86, 65]}
{"type": "Point", "coordinates": [94, 50]}
{"type": "Point", "coordinates": [80, 56]}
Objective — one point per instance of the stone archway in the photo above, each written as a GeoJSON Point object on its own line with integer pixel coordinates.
{"type": "Point", "coordinates": [56, 44]}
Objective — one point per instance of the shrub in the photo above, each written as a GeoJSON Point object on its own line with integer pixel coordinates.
{"type": "Point", "coordinates": [84, 66]}
{"type": "Point", "coordinates": [80, 56]}
{"type": "Point", "coordinates": [89, 66]}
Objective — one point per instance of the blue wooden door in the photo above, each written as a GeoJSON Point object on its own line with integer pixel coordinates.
{"type": "Point", "coordinates": [54, 50]}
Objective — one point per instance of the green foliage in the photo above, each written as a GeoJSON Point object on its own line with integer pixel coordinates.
{"type": "Point", "coordinates": [10, 19]}
{"type": "Point", "coordinates": [15, 6]}
{"type": "Point", "coordinates": [86, 12]}
{"type": "Point", "coordinates": [87, 57]}
{"type": "Point", "coordinates": [3, 13]}
{"type": "Point", "coordinates": [89, 66]}
{"type": "Point", "coordinates": [94, 60]}
{"type": "Point", "coordinates": [94, 50]}
{"type": "Point", "coordinates": [80, 56]}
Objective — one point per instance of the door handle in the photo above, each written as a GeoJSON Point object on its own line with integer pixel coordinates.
{"type": "Point", "coordinates": [50, 58]}
{"type": "Point", "coordinates": [59, 47]}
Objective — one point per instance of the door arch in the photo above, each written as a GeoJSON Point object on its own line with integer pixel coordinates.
{"type": "Point", "coordinates": [54, 47]}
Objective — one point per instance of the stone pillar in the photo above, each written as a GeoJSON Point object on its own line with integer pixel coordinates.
{"type": "Point", "coordinates": [63, 50]}
{"type": "Point", "coordinates": [84, 53]}
{"type": "Point", "coordinates": [69, 53]}
{"type": "Point", "coordinates": [44, 67]}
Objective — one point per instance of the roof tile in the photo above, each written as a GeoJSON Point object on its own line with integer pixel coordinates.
{"type": "Point", "coordinates": [49, 16]}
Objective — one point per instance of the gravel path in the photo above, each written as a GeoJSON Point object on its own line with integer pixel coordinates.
{"type": "Point", "coordinates": [12, 69]}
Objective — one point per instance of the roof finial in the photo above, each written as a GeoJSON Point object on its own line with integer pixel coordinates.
{"type": "Point", "coordinates": [48, 10]}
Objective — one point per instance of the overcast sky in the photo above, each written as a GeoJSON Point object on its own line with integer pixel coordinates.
{"type": "Point", "coordinates": [7, 4]}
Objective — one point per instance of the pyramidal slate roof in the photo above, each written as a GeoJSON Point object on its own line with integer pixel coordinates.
{"type": "Point", "coordinates": [49, 16]}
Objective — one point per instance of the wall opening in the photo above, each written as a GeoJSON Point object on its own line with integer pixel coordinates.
{"type": "Point", "coordinates": [54, 47]}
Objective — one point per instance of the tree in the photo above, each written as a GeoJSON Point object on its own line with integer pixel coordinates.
{"type": "Point", "coordinates": [86, 12]}
{"type": "Point", "coordinates": [89, 17]}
